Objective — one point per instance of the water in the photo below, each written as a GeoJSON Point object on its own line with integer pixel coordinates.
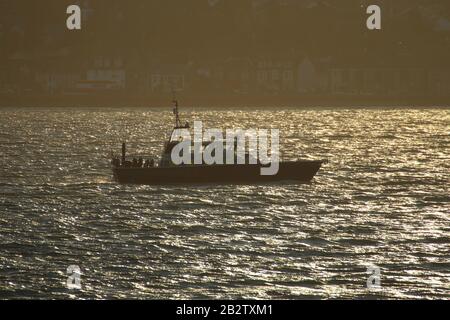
{"type": "Point", "coordinates": [382, 200]}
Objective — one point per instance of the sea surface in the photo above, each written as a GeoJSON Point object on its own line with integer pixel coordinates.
{"type": "Point", "coordinates": [383, 200]}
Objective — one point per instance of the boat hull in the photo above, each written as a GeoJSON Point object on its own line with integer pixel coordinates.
{"type": "Point", "coordinates": [300, 171]}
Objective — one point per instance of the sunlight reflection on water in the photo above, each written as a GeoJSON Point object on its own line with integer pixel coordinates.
{"type": "Point", "coordinates": [383, 199]}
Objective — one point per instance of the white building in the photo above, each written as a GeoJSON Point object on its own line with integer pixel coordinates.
{"type": "Point", "coordinates": [275, 76]}
{"type": "Point", "coordinates": [108, 70]}
{"type": "Point", "coordinates": [166, 78]}
{"type": "Point", "coordinates": [307, 77]}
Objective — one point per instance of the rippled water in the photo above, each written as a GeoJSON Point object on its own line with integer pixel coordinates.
{"type": "Point", "coordinates": [384, 199]}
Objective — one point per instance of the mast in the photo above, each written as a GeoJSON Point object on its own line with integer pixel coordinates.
{"type": "Point", "coordinates": [177, 114]}
{"type": "Point", "coordinates": [178, 124]}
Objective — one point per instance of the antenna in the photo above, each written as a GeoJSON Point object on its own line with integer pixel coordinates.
{"type": "Point", "coordinates": [176, 112]}
{"type": "Point", "coordinates": [175, 107]}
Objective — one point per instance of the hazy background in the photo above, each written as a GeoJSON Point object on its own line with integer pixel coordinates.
{"type": "Point", "coordinates": [383, 198]}
{"type": "Point", "coordinates": [218, 51]}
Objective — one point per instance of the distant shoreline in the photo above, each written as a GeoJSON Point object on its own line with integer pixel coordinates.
{"type": "Point", "coordinates": [279, 101]}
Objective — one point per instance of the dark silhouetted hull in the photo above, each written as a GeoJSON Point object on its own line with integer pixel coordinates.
{"type": "Point", "coordinates": [301, 171]}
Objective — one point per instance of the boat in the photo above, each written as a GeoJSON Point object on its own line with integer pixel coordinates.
{"type": "Point", "coordinates": [165, 172]}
